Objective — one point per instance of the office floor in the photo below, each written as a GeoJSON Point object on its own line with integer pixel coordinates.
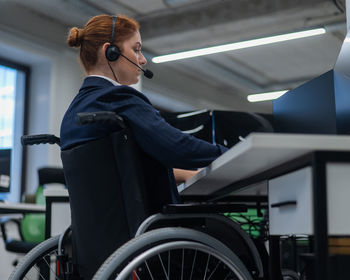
{"type": "Point", "coordinates": [7, 258]}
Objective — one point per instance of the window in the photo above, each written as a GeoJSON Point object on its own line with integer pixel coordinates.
{"type": "Point", "coordinates": [7, 105]}
{"type": "Point", "coordinates": [13, 93]}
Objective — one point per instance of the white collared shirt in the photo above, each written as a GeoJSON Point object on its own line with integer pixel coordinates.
{"type": "Point", "coordinates": [108, 79]}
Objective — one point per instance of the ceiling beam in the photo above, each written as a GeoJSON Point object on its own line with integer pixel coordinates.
{"type": "Point", "coordinates": [199, 16]}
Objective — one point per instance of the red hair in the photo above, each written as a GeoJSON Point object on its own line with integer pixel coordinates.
{"type": "Point", "coordinates": [97, 31]}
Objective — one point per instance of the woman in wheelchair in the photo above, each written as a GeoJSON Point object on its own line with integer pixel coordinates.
{"type": "Point", "coordinates": [110, 52]}
{"type": "Point", "coordinates": [122, 169]}
{"type": "Point", "coordinates": [107, 44]}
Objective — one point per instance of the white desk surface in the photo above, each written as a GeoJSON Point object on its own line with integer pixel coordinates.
{"type": "Point", "coordinates": [257, 153]}
{"type": "Point", "coordinates": [9, 207]}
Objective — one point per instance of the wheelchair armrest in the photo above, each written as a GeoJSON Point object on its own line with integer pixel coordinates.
{"type": "Point", "coordinates": [191, 208]}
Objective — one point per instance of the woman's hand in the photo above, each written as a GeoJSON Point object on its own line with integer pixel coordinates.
{"type": "Point", "coordinates": [182, 175]}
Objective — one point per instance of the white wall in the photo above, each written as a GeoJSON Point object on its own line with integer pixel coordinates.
{"type": "Point", "coordinates": [66, 79]}
{"type": "Point", "coordinates": [347, 14]}
{"type": "Point", "coordinates": [55, 79]}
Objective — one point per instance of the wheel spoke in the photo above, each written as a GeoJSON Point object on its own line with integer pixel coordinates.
{"type": "Point", "coordinates": [182, 263]}
{"type": "Point", "coordinates": [206, 267]}
{"type": "Point", "coordinates": [149, 271]}
{"type": "Point", "coordinates": [194, 260]}
{"type": "Point", "coordinates": [41, 277]}
{"type": "Point", "coordinates": [161, 261]}
{"type": "Point", "coordinates": [135, 274]}
{"type": "Point", "coordinates": [53, 272]}
{"type": "Point", "coordinates": [217, 265]}
{"type": "Point", "coordinates": [169, 264]}
{"type": "Point", "coordinates": [229, 274]}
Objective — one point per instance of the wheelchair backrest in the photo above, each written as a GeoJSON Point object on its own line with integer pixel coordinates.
{"type": "Point", "coordinates": [107, 195]}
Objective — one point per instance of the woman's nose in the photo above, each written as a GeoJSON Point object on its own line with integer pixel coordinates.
{"type": "Point", "coordinates": [143, 60]}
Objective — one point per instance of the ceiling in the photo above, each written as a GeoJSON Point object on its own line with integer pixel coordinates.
{"type": "Point", "coordinates": [218, 81]}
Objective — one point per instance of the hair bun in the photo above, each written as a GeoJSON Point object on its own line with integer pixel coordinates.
{"type": "Point", "coordinates": [75, 37]}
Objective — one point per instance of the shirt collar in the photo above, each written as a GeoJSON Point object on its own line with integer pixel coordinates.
{"type": "Point", "coordinates": [108, 79]}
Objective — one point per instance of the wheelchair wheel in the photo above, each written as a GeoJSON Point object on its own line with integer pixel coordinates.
{"type": "Point", "coordinates": [173, 253]}
{"type": "Point", "coordinates": [39, 263]}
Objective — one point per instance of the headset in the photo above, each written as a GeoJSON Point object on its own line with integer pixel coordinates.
{"type": "Point", "coordinates": [113, 52]}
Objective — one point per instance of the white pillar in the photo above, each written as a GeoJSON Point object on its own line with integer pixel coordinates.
{"type": "Point", "coordinates": [347, 7]}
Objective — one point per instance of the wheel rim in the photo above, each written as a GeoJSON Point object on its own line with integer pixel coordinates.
{"type": "Point", "coordinates": [180, 260]}
{"type": "Point", "coordinates": [43, 267]}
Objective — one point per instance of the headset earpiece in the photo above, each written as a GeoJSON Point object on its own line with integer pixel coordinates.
{"type": "Point", "coordinates": [112, 51]}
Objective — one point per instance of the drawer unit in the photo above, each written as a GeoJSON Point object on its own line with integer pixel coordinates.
{"type": "Point", "coordinates": [290, 203]}
{"type": "Point", "coordinates": [338, 198]}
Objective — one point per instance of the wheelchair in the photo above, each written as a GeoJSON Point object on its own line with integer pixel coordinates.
{"type": "Point", "coordinates": [185, 241]}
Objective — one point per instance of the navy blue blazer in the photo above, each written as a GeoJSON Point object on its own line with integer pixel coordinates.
{"type": "Point", "coordinates": [158, 139]}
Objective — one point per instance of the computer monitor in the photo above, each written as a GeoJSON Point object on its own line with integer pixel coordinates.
{"type": "Point", "coordinates": [309, 108]}
{"type": "Point", "coordinates": [221, 127]}
{"type": "Point", "coordinates": [321, 105]}
{"type": "Point", "coordinates": [5, 167]}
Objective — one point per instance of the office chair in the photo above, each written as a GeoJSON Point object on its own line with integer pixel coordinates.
{"type": "Point", "coordinates": [31, 228]}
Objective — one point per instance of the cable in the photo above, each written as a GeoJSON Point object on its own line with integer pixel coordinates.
{"type": "Point", "coordinates": [115, 77]}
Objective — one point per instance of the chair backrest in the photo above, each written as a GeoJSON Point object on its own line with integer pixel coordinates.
{"type": "Point", "coordinates": [51, 175]}
{"type": "Point", "coordinates": [108, 198]}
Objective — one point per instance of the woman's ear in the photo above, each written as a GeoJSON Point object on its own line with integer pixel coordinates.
{"type": "Point", "coordinates": [102, 52]}
{"type": "Point", "coordinates": [105, 46]}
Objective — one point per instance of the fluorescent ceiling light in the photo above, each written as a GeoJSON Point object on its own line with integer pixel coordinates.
{"type": "Point", "coordinates": [238, 45]}
{"type": "Point", "coordinates": [265, 96]}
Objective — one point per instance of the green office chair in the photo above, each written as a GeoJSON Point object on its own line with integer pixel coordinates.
{"type": "Point", "coordinates": [31, 227]}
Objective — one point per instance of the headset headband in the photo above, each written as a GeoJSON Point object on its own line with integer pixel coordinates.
{"type": "Point", "coordinates": [114, 19]}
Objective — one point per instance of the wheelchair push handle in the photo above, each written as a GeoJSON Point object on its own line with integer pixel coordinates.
{"type": "Point", "coordinates": [39, 139]}
{"type": "Point", "coordinates": [100, 117]}
{"type": "Point", "coordinates": [83, 119]}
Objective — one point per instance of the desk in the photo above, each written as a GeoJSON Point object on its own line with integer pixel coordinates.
{"type": "Point", "coordinates": [259, 152]}
{"type": "Point", "coordinates": [20, 208]}
{"type": "Point", "coordinates": [58, 216]}
{"type": "Point", "coordinates": [321, 161]}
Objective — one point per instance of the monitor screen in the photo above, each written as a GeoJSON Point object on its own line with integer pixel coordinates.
{"type": "Point", "coordinates": [221, 127]}
{"type": "Point", "coordinates": [309, 108]}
